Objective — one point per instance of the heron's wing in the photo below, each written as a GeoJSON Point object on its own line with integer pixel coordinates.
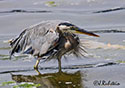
{"type": "Point", "coordinates": [36, 40]}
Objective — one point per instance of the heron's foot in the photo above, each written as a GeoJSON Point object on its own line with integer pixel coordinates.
{"type": "Point", "coordinates": [37, 71]}
{"type": "Point", "coordinates": [60, 71]}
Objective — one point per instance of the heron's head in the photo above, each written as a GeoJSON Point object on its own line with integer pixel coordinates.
{"type": "Point", "coordinates": [68, 27]}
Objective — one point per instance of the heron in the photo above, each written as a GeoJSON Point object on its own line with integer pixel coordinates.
{"type": "Point", "coordinates": [49, 39]}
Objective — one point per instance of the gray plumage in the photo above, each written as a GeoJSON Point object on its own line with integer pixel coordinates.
{"type": "Point", "coordinates": [37, 37]}
{"type": "Point", "coordinates": [49, 39]}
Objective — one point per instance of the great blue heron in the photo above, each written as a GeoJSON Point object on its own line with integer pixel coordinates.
{"type": "Point", "coordinates": [49, 39]}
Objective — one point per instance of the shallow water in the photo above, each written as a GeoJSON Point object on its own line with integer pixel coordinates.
{"type": "Point", "coordinates": [104, 62]}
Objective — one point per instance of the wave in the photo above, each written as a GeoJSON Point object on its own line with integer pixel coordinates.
{"type": "Point", "coordinates": [100, 45]}
{"type": "Point", "coordinates": [25, 11]}
{"type": "Point", "coordinates": [110, 10]}
{"type": "Point", "coordinates": [108, 31]}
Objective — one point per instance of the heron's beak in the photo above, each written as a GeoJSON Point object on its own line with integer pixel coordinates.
{"type": "Point", "coordinates": [82, 31]}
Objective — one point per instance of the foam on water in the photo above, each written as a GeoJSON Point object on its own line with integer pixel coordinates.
{"type": "Point", "coordinates": [100, 45]}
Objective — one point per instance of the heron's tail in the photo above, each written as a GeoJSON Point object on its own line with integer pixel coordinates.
{"type": "Point", "coordinates": [17, 44]}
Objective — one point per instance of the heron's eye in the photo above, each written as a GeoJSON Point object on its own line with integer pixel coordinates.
{"type": "Point", "coordinates": [65, 29]}
{"type": "Point", "coordinates": [73, 28]}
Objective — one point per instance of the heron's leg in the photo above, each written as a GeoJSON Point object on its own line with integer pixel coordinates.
{"type": "Point", "coordinates": [36, 65]}
{"type": "Point", "coordinates": [59, 64]}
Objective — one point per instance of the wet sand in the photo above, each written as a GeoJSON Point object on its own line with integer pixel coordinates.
{"type": "Point", "coordinates": [104, 65]}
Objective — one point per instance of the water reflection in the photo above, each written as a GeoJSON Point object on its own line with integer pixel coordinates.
{"type": "Point", "coordinates": [52, 80]}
